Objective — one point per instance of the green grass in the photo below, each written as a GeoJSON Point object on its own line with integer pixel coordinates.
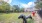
{"type": "Point", "coordinates": [12, 18]}
{"type": "Point", "coordinates": [5, 16]}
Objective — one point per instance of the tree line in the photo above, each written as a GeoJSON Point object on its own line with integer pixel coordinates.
{"type": "Point", "coordinates": [6, 8]}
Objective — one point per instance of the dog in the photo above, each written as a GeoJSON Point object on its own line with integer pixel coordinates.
{"type": "Point", "coordinates": [24, 18]}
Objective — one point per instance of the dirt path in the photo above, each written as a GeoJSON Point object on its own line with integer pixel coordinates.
{"type": "Point", "coordinates": [37, 19]}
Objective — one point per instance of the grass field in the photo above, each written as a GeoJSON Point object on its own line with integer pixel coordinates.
{"type": "Point", "coordinates": [12, 18]}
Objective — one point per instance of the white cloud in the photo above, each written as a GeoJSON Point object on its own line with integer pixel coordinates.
{"type": "Point", "coordinates": [8, 1]}
{"type": "Point", "coordinates": [24, 5]}
{"type": "Point", "coordinates": [28, 5]}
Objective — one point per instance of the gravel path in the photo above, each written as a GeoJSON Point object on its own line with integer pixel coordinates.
{"type": "Point", "coordinates": [37, 19]}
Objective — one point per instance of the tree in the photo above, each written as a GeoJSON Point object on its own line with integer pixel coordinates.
{"type": "Point", "coordinates": [38, 4]}
{"type": "Point", "coordinates": [16, 8]}
{"type": "Point", "coordinates": [4, 6]}
{"type": "Point", "coordinates": [22, 10]}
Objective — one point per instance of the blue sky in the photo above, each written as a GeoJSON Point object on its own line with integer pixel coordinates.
{"type": "Point", "coordinates": [16, 2]}
{"type": "Point", "coordinates": [22, 3]}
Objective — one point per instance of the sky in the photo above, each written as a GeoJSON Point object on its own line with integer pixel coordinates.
{"type": "Point", "coordinates": [21, 3]}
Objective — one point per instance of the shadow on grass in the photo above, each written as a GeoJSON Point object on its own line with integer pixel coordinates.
{"type": "Point", "coordinates": [30, 21]}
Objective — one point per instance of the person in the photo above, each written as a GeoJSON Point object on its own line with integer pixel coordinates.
{"type": "Point", "coordinates": [33, 13]}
